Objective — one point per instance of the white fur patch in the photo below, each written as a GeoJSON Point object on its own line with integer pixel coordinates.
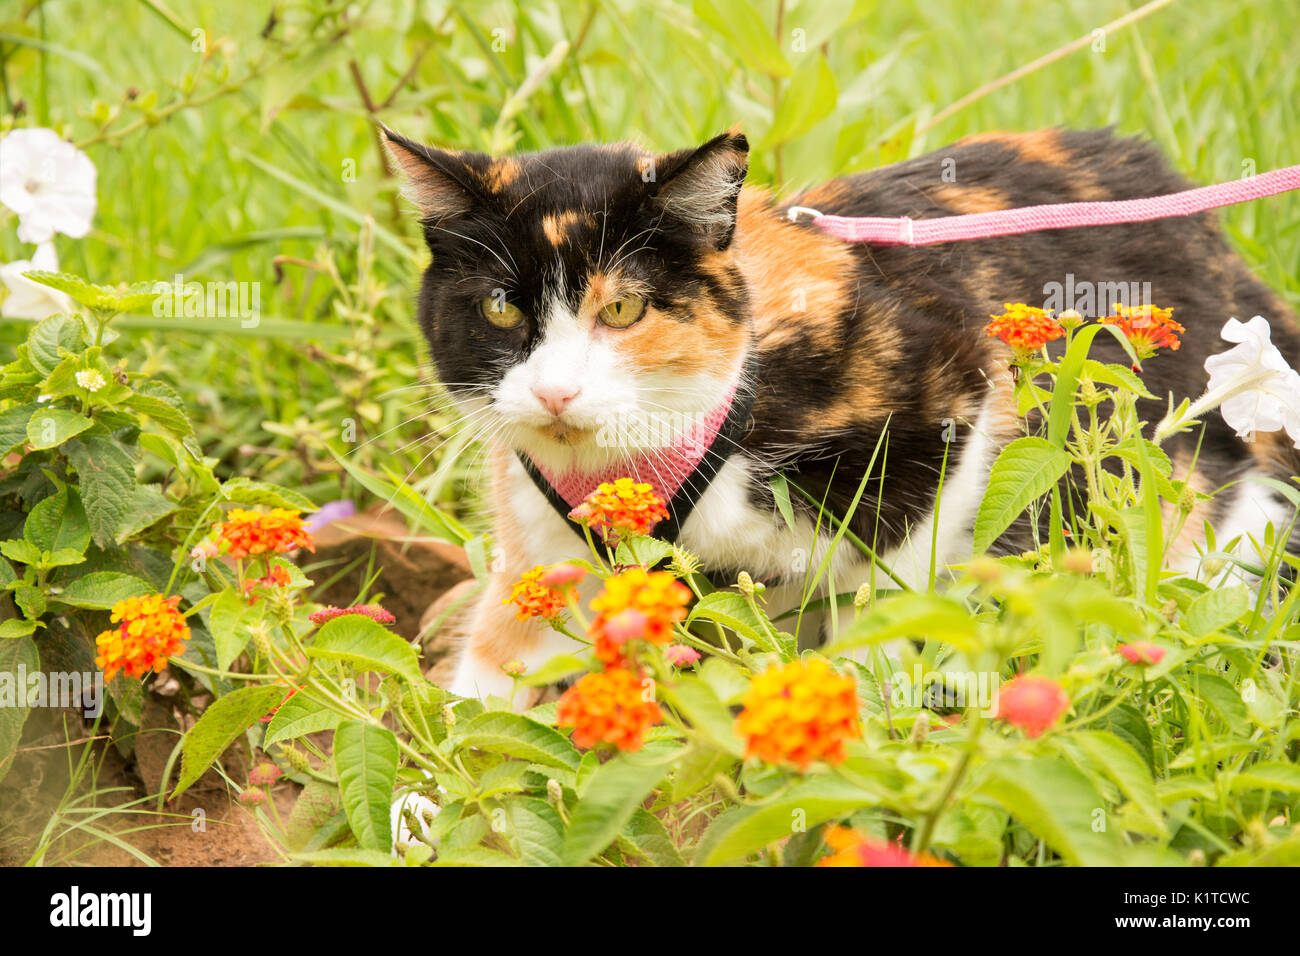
{"type": "Point", "coordinates": [1254, 507]}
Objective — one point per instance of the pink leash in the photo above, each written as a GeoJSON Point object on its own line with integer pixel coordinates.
{"type": "Point", "coordinates": [1006, 222]}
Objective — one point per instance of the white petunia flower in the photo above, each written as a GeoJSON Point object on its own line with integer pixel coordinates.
{"type": "Point", "coordinates": [28, 299]}
{"type": "Point", "coordinates": [1259, 390]}
{"type": "Point", "coordinates": [424, 810]}
{"type": "Point", "coordinates": [48, 182]}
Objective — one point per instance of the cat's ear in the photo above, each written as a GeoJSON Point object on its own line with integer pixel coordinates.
{"type": "Point", "coordinates": [437, 181]}
{"type": "Point", "coordinates": [699, 187]}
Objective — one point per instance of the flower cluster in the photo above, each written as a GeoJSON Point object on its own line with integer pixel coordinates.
{"type": "Point", "coordinates": [372, 611]}
{"type": "Point", "coordinates": [1032, 703]}
{"type": "Point", "coordinates": [623, 508]}
{"type": "Point", "coordinates": [90, 380]}
{"type": "Point", "coordinates": [853, 849]}
{"type": "Point", "coordinates": [249, 533]}
{"type": "Point", "coordinates": [1147, 328]}
{"type": "Point", "coordinates": [799, 713]}
{"type": "Point", "coordinates": [608, 707]}
{"type": "Point", "coordinates": [532, 597]}
{"type": "Point", "coordinates": [149, 631]}
{"type": "Point", "coordinates": [1024, 327]}
{"type": "Point", "coordinates": [277, 577]}
{"type": "Point", "coordinates": [636, 604]}
{"type": "Point", "coordinates": [1142, 653]}
{"type": "Point", "coordinates": [264, 774]}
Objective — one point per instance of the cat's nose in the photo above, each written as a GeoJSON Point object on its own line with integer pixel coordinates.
{"type": "Point", "coordinates": [556, 398]}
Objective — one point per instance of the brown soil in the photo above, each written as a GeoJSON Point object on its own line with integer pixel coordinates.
{"type": "Point", "coordinates": [207, 826]}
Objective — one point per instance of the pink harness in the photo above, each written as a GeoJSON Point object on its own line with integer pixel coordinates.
{"type": "Point", "coordinates": [1006, 222]}
{"type": "Point", "coordinates": [666, 470]}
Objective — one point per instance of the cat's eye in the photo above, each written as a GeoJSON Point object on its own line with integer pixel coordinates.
{"type": "Point", "coordinates": [500, 312]}
{"type": "Point", "coordinates": [621, 314]}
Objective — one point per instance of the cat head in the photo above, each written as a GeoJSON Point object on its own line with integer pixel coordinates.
{"type": "Point", "coordinates": [583, 303]}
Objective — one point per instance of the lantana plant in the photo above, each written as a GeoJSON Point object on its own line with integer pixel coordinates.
{"type": "Point", "coordinates": [1079, 702]}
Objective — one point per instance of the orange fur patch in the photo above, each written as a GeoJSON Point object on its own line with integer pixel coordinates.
{"type": "Point", "coordinates": [556, 226]}
{"type": "Point", "coordinates": [502, 173]}
{"type": "Point", "coordinates": [968, 199]}
{"type": "Point", "coordinates": [798, 276]}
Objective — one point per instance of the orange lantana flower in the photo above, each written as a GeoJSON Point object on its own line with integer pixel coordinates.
{"type": "Point", "coordinates": [1148, 328]}
{"type": "Point", "coordinates": [854, 849]}
{"type": "Point", "coordinates": [532, 598]}
{"type": "Point", "coordinates": [636, 604]}
{"type": "Point", "coordinates": [608, 707]}
{"type": "Point", "coordinates": [799, 713]}
{"type": "Point", "coordinates": [621, 509]}
{"type": "Point", "coordinates": [1032, 703]}
{"type": "Point", "coordinates": [248, 533]}
{"type": "Point", "coordinates": [1024, 327]}
{"type": "Point", "coordinates": [150, 631]}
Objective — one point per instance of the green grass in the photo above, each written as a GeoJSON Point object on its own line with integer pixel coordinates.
{"type": "Point", "coordinates": [1212, 84]}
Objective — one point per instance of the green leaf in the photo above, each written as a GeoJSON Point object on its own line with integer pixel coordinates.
{"type": "Point", "coordinates": [101, 297]}
{"type": "Point", "coordinates": [921, 615]}
{"type": "Point", "coordinates": [225, 618]}
{"type": "Point", "coordinates": [14, 628]}
{"type": "Point", "coordinates": [51, 427]}
{"type": "Point", "coordinates": [13, 712]}
{"type": "Point", "coordinates": [1027, 469]}
{"type": "Point", "coordinates": [746, 830]}
{"type": "Point", "coordinates": [401, 496]}
{"type": "Point", "coordinates": [538, 831]}
{"type": "Point", "coordinates": [809, 99]}
{"type": "Point", "coordinates": [246, 491]}
{"type": "Point", "coordinates": [781, 495]}
{"type": "Point", "coordinates": [740, 23]}
{"type": "Point", "coordinates": [1269, 775]}
{"type": "Point", "coordinates": [613, 794]}
{"type": "Point", "coordinates": [107, 474]}
{"type": "Point", "coordinates": [22, 551]}
{"type": "Point", "coordinates": [219, 727]}
{"type": "Point", "coordinates": [366, 645]}
{"type": "Point", "coordinates": [1058, 804]}
{"type": "Point", "coordinates": [30, 600]}
{"type": "Point", "coordinates": [1110, 374]}
{"type": "Point", "coordinates": [13, 426]}
{"type": "Point", "coordinates": [102, 589]}
{"type": "Point", "coordinates": [1216, 609]}
{"type": "Point", "coordinates": [1125, 768]}
{"type": "Point", "coordinates": [58, 521]}
{"type": "Point", "coordinates": [518, 736]}
{"type": "Point", "coordinates": [647, 837]}
{"type": "Point", "coordinates": [148, 505]}
{"type": "Point", "coordinates": [366, 759]}
{"type": "Point", "coordinates": [561, 665]}
{"type": "Point", "coordinates": [732, 611]}
{"type": "Point", "coordinates": [50, 339]}
{"type": "Point", "coordinates": [162, 412]}
{"type": "Point", "coordinates": [297, 716]}
{"type": "Point", "coordinates": [1223, 698]}
{"type": "Point", "coordinates": [701, 707]}
{"type": "Point", "coordinates": [348, 856]}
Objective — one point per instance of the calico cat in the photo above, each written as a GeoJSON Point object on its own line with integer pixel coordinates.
{"type": "Point", "coordinates": [598, 310]}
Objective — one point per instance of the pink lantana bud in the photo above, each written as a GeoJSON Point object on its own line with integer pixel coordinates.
{"type": "Point", "coordinates": [626, 625]}
{"type": "Point", "coordinates": [1142, 653]}
{"type": "Point", "coordinates": [680, 655]}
